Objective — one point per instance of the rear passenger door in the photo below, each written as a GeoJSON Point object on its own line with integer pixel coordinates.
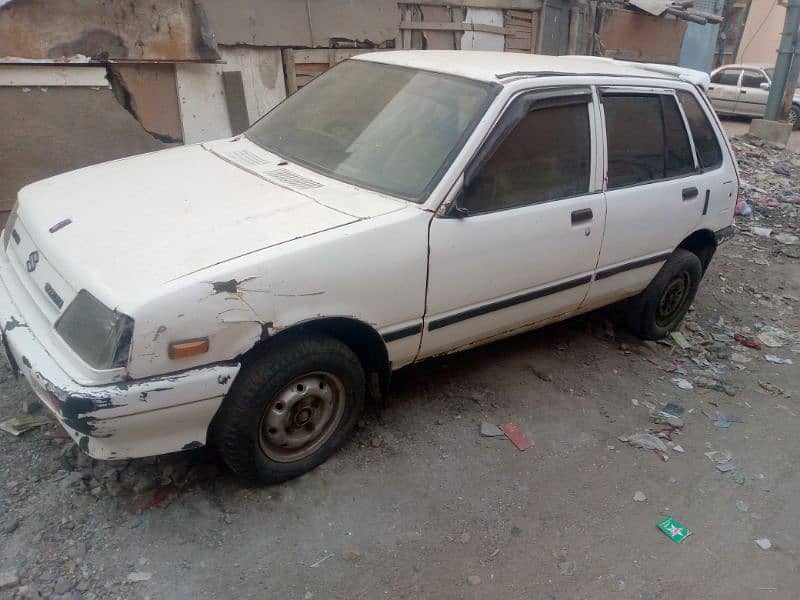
{"type": "Point", "coordinates": [752, 100]}
{"type": "Point", "coordinates": [654, 193]}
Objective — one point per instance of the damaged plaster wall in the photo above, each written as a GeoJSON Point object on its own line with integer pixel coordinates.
{"type": "Point", "coordinates": [102, 30]}
{"type": "Point", "coordinates": [298, 23]}
{"type": "Point", "coordinates": [84, 126]}
{"type": "Point", "coordinates": [150, 94]}
{"type": "Point", "coordinates": [262, 75]}
{"type": "Point", "coordinates": [204, 107]}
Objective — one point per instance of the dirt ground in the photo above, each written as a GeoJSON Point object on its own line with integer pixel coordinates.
{"type": "Point", "coordinates": [419, 505]}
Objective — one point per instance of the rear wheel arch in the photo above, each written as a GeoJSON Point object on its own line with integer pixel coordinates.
{"type": "Point", "coordinates": [703, 244]}
{"type": "Point", "coordinates": [363, 339]}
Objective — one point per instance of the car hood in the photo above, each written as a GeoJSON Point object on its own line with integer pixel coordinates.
{"type": "Point", "coordinates": [138, 223]}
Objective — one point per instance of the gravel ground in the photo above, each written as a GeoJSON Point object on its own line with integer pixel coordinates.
{"type": "Point", "coordinates": [419, 505]}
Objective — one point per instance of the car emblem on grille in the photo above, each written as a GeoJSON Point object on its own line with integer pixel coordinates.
{"type": "Point", "coordinates": [33, 260]}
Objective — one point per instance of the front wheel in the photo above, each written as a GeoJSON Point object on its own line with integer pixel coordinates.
{"type": "Point", "coordinates": [662, 305]}
{"type": "Point", "coordinates": [290, 408]}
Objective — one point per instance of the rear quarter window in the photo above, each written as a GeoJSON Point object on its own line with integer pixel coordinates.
{"type": "Point", "coordinates": [706, 143]}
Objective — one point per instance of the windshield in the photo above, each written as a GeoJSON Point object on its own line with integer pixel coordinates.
{"type": "Point", "coordinates": [378, 126]}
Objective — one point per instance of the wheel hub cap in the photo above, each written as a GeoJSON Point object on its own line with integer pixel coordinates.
{"type": "Point", "coordinates": [672, 299]}
{"type": "Point", "coordinates": [301, 417]}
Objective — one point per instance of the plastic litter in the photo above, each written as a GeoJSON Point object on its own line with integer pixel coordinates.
{"type": "Point", "coordinates": [787, 238]}
{"type": "Point", "coordinates": [778, 360]}
{"type": "Point", "coordinates": [748, 342]}
{"type": "Point", "coordinates": [742, 506]}
{"type": "Point", "coordinates": [639, 497]}
{"type": "Point", "coordinates": [516, 435]}
{"type": "Point", "coordinates": [714, 384]}
{"type": "Point", "coordinates": [674, 530]}
{"type": "Point", "coordinates": [725, 467]}
{"type": "Point", "coordinates": [680, 339]}
{"type": "Point", "coordinates": [18, 425]}
{"type": "Point", "coordinates": [682, 383]}
{"type": "Point", "coordinates": [648, 441]}
{"type": "Point", "coordinates": [490, 430]}
{"type": "Point", "coordinates": [774, 389]}
{"type": "Point", "coordinates": [743, 208]}
{"type": "Point", "coordinates": [770, 341]}
{"type": "Point", "coordinates": [674, 409]}
{"type": "Point", "coordinates": [719, 456]}
{"type": "Point", "coordinates": [761, 231]}
{"type": "Point", "coordinates": [764, 543]}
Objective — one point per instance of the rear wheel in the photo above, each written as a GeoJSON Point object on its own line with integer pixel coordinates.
{"type": "Point", "coordinates": [794, 116]}
{"type": "Point", "coordinates": [662, 305]}
{"type": "Point", "coordinates": [290, 409]}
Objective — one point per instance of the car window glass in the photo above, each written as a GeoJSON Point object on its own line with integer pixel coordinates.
{"type": "Point", "coordinates": [635, 139]}
{"type": "Point", "coordinates": [706, 144]}
{"type": "Point", "coordinates": [726, 77]}
{"type": "Point", "coordinates": [547, 156]}
{"type": "Point", "coordinates": [753, 79]}
{"type": "Point", "coordinates": [679, 159]}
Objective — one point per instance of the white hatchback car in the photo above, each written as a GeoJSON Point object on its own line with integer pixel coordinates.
{"type": "Point", "coordinates": [253, 291]}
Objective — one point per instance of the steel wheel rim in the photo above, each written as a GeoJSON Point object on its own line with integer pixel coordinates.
{"type": "Point", "coordinates": [301, 417]}
{"type": "Point", "coordinates": [673, 299]}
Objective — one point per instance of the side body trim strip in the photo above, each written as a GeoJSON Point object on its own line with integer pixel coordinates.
{"type": "Point", "coordinates": [636, 264]}
{"type": "Point", "coordinates": [405, 332]}
{"type": "Point", "coordinates": [508, 302]}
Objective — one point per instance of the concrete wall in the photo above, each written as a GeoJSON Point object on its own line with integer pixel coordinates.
{"type": "Point", "coordinates": [762, 32]}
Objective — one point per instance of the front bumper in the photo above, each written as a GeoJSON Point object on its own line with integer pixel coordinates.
{"type": "Point", "coordinates": [128, 419]}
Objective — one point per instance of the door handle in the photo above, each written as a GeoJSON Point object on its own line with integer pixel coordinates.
{"type": "Point", "coordinates": [690, 192]}
{"type": "Point", "coordinates": [744, 91]}
{"type": "Point", "coordinates": [582, 216]}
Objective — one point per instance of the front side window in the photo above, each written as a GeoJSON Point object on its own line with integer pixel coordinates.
{"type": "Point", "coordinates": [727, 77]}
{"type": "Point", "coordinates": [547, 156]}
{"type": "Point", "coordinates": [383, 127]}
{"type": "Point", "coordinates": [706, 144]}
{"type": "Point", "coordinates": [647, 139]}
{"type": "Point", "coordinates": [753, 79]}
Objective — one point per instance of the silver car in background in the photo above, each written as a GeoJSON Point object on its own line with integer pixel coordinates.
{"type": "Point", "coordinates": [743, 89]}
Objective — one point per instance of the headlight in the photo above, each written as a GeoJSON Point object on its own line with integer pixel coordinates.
{"type": "Point", "coordinates": [99, 335]}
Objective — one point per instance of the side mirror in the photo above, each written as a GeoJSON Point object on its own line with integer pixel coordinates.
{"type": "Point", "coordinates": [457, 210]}
{"type": "Point", "coordinates": [764, 86]}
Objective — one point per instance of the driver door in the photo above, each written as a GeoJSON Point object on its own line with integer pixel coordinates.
{"type": "Point", "coordinates": [524, 243]}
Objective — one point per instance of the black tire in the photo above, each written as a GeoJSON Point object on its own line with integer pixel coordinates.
{"type": "Point", "coordinates": [662, 305]}
{"type": "Point", "coordinates": [794, 116]}
{"type": "Point", "coordinates": [241, 426]}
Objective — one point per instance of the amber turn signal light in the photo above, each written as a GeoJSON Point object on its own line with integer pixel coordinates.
{"type": "Point", "coordinates": [188, 348]}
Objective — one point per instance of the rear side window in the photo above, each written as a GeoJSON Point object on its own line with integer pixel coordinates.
{"type": "Point", "coordinates": [727, 77]}
{"type": "Point", "coordinates": [705, 139]}
{"type": "Point", "coordinates": [547, 156]}
{"type": "Point", "coordinates": [647, 139]}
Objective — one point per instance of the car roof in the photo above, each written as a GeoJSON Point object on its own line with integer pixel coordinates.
{"type": "Point", "coordinates": [747, 66]}
{"type": "Point", "coordinates": [494, 66]}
